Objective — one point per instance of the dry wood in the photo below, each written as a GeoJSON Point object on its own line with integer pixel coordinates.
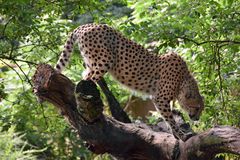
{"type": "Point", "coordinates": [83, 110]}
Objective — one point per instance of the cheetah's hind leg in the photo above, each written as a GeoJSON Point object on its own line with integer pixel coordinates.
{"type": "Point", "coordinates": [87, 74]}
{"type": "Point", "coordinates": [97, 64]}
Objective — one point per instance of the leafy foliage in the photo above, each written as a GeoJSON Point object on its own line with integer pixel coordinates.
{"type": "Point", "coordinates": [12, 146]}
{"type": "Point", "coordinates": [205, 33]}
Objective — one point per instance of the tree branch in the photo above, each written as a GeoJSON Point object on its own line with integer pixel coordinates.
{"type": "Point", "coordinates": [116, 110]}
{"type": "Point", "coordinates": [125, 140]}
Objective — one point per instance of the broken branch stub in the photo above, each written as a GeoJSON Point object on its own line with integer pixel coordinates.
{"type": "Point", "coordinates": [86, 91]}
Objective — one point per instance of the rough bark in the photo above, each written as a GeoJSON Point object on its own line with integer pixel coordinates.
{"type": "Point", "coordinates": [116, 110]}
{"type": "Point", "coordinates": [82, 107]}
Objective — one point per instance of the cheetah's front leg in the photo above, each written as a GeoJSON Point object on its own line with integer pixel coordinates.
{"type": "Point", "coordinates": [163, 105]}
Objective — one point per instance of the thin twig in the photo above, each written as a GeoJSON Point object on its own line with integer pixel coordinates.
{"type": "Point", "coordinates": [44, 116]}
{"type": "Point", "coordinates": [18, 60]}
{"type": "Point", "coordinates": [27, 45]}
{"type": "Point", "coordinates": [13, 70]}
{"type": "Point", "coordinates": [28, 80]}
{"type": "Point", "coordinates": [218, 60]}
{"type": "Point", "coordinates": [5, 26]}
{"type": "Point", "coordinates": [210, 41]}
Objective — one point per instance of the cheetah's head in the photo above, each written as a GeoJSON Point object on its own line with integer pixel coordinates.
{"type": "Point", "coordinates": [190, 99]}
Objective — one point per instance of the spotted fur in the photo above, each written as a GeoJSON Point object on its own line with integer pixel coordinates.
{"type": "Point", "coordinates": [165, 77]}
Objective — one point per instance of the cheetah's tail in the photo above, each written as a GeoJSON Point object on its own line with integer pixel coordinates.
{"type": "Point", "coordinates": [66, 53]}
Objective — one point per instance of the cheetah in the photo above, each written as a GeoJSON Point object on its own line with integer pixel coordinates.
{"type": "Point", "coordinates": [165, 78]}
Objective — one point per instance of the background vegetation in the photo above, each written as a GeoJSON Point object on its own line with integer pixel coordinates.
{"type": "Point", "coordinates": [205, 32]}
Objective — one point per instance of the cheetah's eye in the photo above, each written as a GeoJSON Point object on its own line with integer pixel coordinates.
{"type": "Point", "coordinates": [197, 109]}
{"type": "Point", "coordinates": [188, 95]}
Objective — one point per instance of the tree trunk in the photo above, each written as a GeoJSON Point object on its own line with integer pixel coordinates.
{"type": "Point", "coordinates": [82, 107]}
